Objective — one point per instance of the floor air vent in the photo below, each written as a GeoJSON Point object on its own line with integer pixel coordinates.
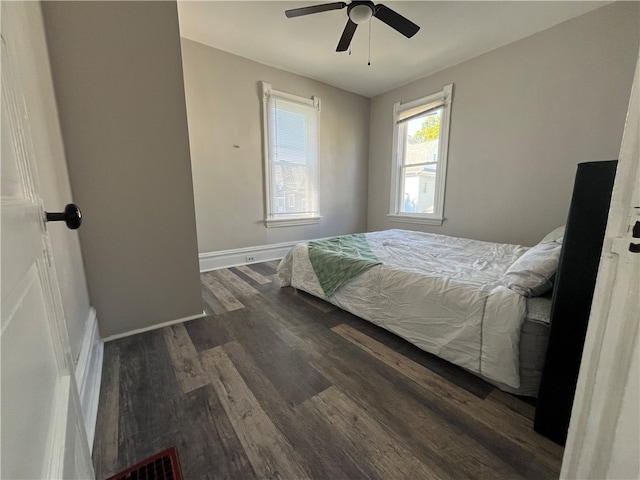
{"type": "Point", "coordinates": [162, 466]}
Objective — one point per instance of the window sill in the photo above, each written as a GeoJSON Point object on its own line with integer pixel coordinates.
{"type": "Point", "coordinates": [415, 219]}
{"type": "Point", "coordinates": [291, 222]}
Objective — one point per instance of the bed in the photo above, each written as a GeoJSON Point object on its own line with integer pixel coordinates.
{"type": "Point", "coordinates": [480, 305]}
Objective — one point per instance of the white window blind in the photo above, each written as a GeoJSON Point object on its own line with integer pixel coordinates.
{"type": "Point", "coordinates": [416, 112]}
{"type": "Point", "coordinates": [291, 158]}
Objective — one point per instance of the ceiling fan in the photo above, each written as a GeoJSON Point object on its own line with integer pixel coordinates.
{"type": "Point", "coordinates": [359, 12]}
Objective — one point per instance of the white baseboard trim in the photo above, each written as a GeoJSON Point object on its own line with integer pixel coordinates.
{"type": "Point", "coordinates": [238, 256]}
{"type": "Point", "coordinates": [153, 327]}
{"type": "Point", "coordinates": [89, 374]}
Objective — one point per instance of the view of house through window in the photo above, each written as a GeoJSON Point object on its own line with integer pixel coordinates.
{"type": "Point", "coordinates": [291, 158]}
{"type": "Point", "coordinates": [421, 138]}
{"type": "Point", "coordinates": [420, 156]}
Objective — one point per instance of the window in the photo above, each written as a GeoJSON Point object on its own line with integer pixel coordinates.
{"type": "Point", "coordinates": [291, 125]}
{"type": "Point", "coordinates": [420, 141]}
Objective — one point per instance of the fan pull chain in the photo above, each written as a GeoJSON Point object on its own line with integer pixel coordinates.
{"type": "Point", "coordinates": [369, 62]}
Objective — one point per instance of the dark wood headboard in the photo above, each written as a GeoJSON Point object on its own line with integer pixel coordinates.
{"type": "Point", "coordinates": [572, 296]}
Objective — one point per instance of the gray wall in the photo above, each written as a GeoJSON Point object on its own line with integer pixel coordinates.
{"type": "Point", "coordinates": [523, 116]}
{"type": "Point", "coordinates": [118, 79]}
{"type": "Point", "coordinates": [224, 106]}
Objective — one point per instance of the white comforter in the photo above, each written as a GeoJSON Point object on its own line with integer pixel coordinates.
{"type": "Point", "coordinates": [443, 294]}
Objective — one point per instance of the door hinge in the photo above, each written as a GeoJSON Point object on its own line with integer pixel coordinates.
{"type": "Point", "coordinates": [620, 245]}
{"type": "Point", "coordinates": [635, 233]}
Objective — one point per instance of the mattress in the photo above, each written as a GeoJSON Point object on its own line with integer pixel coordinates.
{"type": "Point", "coordinates": [443, 294]}
{"type": "Point", "coordinates": [534, 337]}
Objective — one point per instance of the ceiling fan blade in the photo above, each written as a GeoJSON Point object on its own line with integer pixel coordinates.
{"type": "Point", "coordinates": [325, 7]}
{"type": "Point", "coordinates": [396, 21]}
{"type": "Point", "coordinates": [347, 35]}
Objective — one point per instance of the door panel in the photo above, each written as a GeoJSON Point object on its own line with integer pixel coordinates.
{"type": "Point", "coordinates": [21, 242]}
{"type": "Point", "coordinates": [30, 380]}
{"type": "Point", "coordinates": [42, 434]}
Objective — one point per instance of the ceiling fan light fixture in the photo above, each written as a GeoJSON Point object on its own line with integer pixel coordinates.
{"type": "Point", "coordinates": [360, 14]}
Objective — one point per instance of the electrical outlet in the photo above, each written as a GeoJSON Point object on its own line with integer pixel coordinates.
{"type": "Point", "coordinates": [249, 258]}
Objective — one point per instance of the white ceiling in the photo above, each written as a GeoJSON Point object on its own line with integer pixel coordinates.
{"type": "Point", "coordinates": [451, 32]}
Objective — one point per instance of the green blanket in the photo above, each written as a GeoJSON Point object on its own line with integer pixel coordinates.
{"type": "Point", "coordinates": [337, 260]}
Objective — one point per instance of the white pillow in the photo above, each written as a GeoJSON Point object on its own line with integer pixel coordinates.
{"type": "Point", "coordinates": [530, 275]}
{"type": "Point", "coordinates": [555, 236]}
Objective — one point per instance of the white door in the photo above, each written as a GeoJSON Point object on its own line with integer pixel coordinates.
{"type": "Point", "coordinates": [42, 434]}
{"type": "Point", "coordinates": [604, 433]}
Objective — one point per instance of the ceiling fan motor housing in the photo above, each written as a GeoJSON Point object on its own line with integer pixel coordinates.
{"type": "Point", "coordinates": [360, 11]}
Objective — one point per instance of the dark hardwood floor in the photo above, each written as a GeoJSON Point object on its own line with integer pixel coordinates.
{"type": "Point", "coordinates": [274, 383]}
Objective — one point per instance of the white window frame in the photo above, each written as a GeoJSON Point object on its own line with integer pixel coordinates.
{"type": "Point", "coordinates": [401, 113]}
{"type": "Point", "coordinates": [273, 218]}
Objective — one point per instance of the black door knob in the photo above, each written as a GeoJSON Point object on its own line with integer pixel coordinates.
{"type": "Point", "coordinates": [72, 216]}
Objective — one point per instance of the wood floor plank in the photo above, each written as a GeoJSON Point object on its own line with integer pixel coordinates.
{"type": "Point", "coordinates": [229, 302]}
{"type": "Point", "coordinates": [207, 444]}
{"type": "Point", "coordinates": [284, 366]}
{"type": "Point", "coordinates": [257, 277]}
{"type": "Point", "coordinates": [510, 424]}
{"type": "Point", "coordinates": [385, 450]}
{"type": "Point", "coordinates": [294, 378]}
{"type": "Point", "coordinates": [263, 268]}
{"type": "Point", "coordinates": [323, 450]}
{"type": "Point", "coordinates": [211, 331]}
{"type": "Point", "coordinates": [234, 282]}
{"type": "Point", "coordinates": [437, 434]}
{"type": "Point", "coordinates": [273, 264]}
{"type": "Point", "coordinates": [148, 399]}
{"type": "Point", "coordinates": [269, 452]}
{"type": "Point", "coordinates": [212, 304]}
{"type": "Point", "coordinates": [440, 437]}
{"type": "Point", "coordinates": [105, 447]}
{"type": "Point", "coordinates": [185, 359]}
